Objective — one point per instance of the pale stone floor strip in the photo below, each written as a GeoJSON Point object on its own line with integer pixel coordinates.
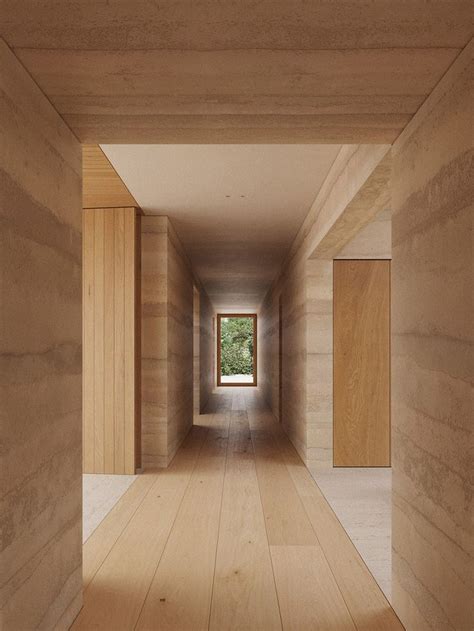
{"type": "Point", "coordinates": [100, 494]}
{"type": "Point", "coordinates": [361, 499]}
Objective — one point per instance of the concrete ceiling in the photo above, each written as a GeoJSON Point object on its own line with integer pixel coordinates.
{"type": "Point", "coordinates": [236, 71]}
{"type": "Point", "coordinates": [236, 208]}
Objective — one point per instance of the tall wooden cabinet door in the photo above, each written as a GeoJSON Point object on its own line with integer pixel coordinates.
{"type": "Point", "coordinates": [111, 340]}
{"type": "Point", "coordinates": [361, 363]}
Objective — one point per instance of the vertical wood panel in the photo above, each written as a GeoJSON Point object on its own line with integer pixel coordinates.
{"type": "Point", "coordinates": [109, 344]}
{"type": "Point", "coordinates": [88, 343]}
{"type": "Point", "coordinates": [129, 317]}
{"type": "Point", "coordinates": [99, 342]}
{"type": "Point", "coordinates": [112, 412]}
{"type": "Point", "coordinates": [119, 327]}
{"type": "Point", "coordinates": [138, 345]}
{"type": "Point", "coordinates": [361, 363]}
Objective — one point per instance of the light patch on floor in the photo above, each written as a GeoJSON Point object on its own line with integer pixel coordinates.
{"type": "Point", "coordinates": [237, 379]}
{"type": "Point", "coordinates": [100, 493]}
{"type": "Point", "coordinates": [361, 499]}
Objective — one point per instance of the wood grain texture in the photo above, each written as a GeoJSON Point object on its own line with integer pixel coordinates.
{"type": "Point", "coordinates": [99, 358]}
{"type": "Point", "coordinates": [286, 521]}
{"type": "Point", "coordinates": [308, 594]}
{"type": "Point", "coordinates": [88, 332]}
{"type": "Point", "coordinates": [361, 363]}
{"type": "Point", "coordinates": [243, 572]}
{"type": "Point", "coordinates": [119, 337]}
{"type": "Point", "coordinates": [167, 342]}
{"type": "Point", "coordinates": [40, 358]}
{"type": "Point", "coordinates": [177, 600]}
{"type": "Point", "coordinates": [110, 347]}
{"type": "Point", "coordinates": [367, 604]}
{"type": "Point", "coordinates": [138, 337]}
{"type": "Point", "coordinates": [98, 545]}
{"type": "Point", "coordinates": [189, 547]}
{"type": "Point", "coordinates": [109, 608]}
{"type": "Point", "coordinates": [432, 336]}
{"type": "Point", "coordinates": [102, 186]}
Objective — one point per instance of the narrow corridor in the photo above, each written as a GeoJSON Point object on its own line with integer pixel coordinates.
{"type": "Point", "coordinates": [235, 534]}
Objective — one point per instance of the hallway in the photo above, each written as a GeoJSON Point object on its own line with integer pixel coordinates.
{"type": "Point", "coordinates": [235, 534]}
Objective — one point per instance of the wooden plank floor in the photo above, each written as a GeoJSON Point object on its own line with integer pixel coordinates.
{"type": "Point", "coordinates": [234, 535]}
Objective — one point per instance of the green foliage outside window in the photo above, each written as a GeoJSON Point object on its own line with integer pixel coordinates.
{"type": "Point", "coordinates": [236, 346]}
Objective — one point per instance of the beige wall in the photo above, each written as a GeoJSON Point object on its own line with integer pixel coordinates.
{"type": "Point", "coordinates": [268, 350]}
{"type": "Point", "coordinates": [374, 241]}
{"type": "Point", "coordinates": [40, 339]}
{"type": "Point", "coordinates": [432, 336]}
{"type": "Point", "coordinates": [111, 291]}
{"type": "Point", "coordinates": [319, 353]}
{"type": "Point", "coordinates": [180, 344]}
{"type": "Point", "coordinates": [196, 352]}
{"type": "Point", "coordinates": [167, 343]}
{"type": "Point", "coordinates": [206, 350]}
{"type": "Point", "coordinates": [352, 196]}
{"type": "Point", "coordinates": [290, 289]}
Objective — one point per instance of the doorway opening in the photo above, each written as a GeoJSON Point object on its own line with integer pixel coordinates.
{"type": "Point", "coordinates": [236, 349]}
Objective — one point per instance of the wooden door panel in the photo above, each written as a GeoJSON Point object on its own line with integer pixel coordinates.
{"type": "Point", "coordinates": [361, 363]}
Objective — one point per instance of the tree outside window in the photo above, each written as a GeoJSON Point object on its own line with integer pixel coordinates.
{"type": "Point", "coordinates": [236, 346]}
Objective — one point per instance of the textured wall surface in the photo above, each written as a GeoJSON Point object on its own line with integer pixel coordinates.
{"type": "Point", "coordinates": [40, 360]}
{"type": "Point", "coordinates": [167, 343]}
{"type": "Point", "coordinates": [180, 344]}
{"type": "Point", "coordinates": [290, 292]}
{"type": "Point", "coordinates": [319, 363]}
{"type": "Point", "coordinates": [374, 241]}
{"type": "Point", "coordinates": [206, 350]}
{"type": "Point", "coordinates": [432, 336]}
{"type": "Point", "coordinates": [268, 349]}
{"type": "Point", "coordinates": [350, 198]}
{"type": "Point", "coordinates": [196, 351]}
{"type": "Point", "coordinates": [305, 295]}
{"type": "Point", "coordinates": [154, 341]}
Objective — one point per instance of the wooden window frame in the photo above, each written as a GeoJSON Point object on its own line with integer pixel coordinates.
{"type": "Point", "coordinates": [255, 353]}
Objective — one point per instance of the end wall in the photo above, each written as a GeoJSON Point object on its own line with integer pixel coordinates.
{"type": "Point", "coordinates": [40, 361]}
{"type": "Point", "coordinates": [353, 193]}
{"type": "Point", "coordinates": [289, 291]}
{"type": "Point", "coordinates": [206, 350]}
{"type": "Point", "coordinates": [167, 342]}
{"type": "Point", "coordinates": [432, 360]}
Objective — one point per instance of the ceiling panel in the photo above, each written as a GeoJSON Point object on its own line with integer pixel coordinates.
{"type": "Point", "coordinates": [236, 208]}
{"type": "Point", "coordinates": [201, 71]}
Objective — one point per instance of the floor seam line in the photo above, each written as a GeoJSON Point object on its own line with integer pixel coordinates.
{"type": "Point", "coordinates": [311, 524]}
{"type": "Point", "coordinates": [171, 528]}
{"type": "Point", "coordinates": [219, 522]}
{"type": "Point", "coordinates": [121, 531]}
{"type": "Point", "coordinates": [264, 520]}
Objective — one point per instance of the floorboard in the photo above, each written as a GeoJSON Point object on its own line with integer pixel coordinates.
{"type": "Point", "coordinates": [243, 581]}
{"type": "Point", "coordinates": [234, 535]}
